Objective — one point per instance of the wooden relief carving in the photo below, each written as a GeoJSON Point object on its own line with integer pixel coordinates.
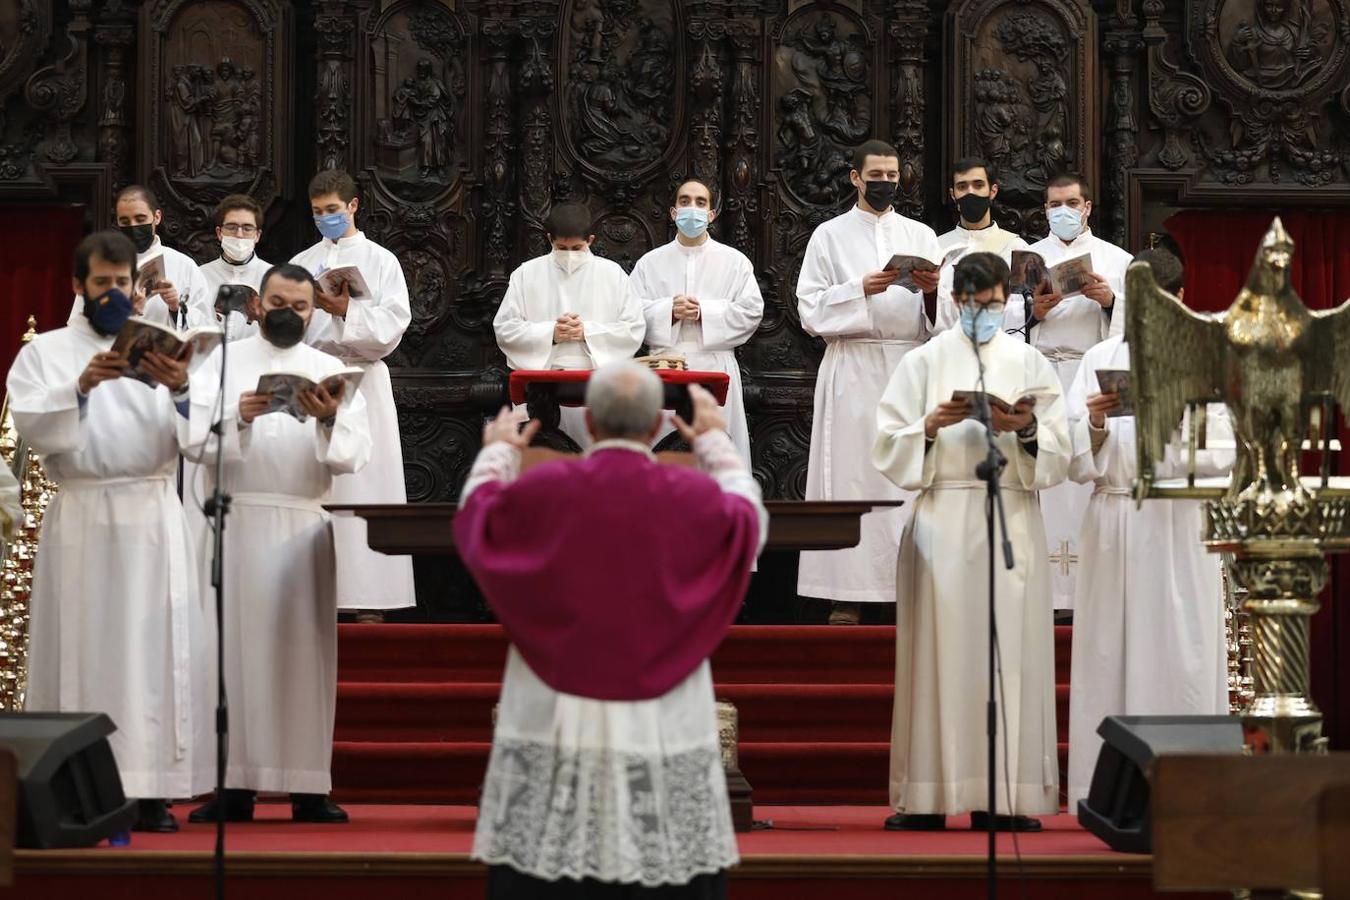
{"type": "Point", "coordinates": [619, 59]}
{"type": "Point", "coordinates": [211, 106]}
{"type": "Point", "coordinates": [25, 30]}
{"type": "Point", "coordinates": [1022, 88]}
{"type": "Point", "coordinates": [822, 100]}
{"type": "Point", "coordinates": [333, 26]}
{"type": "Point", "coordinates": [417, 87]}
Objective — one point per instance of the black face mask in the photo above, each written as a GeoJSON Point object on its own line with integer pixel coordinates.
{"type": "Point", "coordinates": [283, 327]}
{"type": "Point", "coordinates": [973, 207]}
{"type": "Point", "coordinates": [879, 194]}
{"type": "Point", "coordinates": [142, 236]}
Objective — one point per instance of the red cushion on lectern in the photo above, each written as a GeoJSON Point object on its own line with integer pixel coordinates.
{"type": "Point", "coordinates": [716, 382]}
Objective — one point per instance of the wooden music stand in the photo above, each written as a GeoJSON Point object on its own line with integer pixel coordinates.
{"type": "Point", "coordinates": [1267, 823]}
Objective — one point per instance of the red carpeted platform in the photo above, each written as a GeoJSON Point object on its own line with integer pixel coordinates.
{"type": "Point", "coordinates": [414, 716]}
{"type": "Point", "coordinates": [422, 851]}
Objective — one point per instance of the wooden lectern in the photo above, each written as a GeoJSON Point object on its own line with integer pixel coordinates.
{"type": "Point", "coordinates": [1266, 823]}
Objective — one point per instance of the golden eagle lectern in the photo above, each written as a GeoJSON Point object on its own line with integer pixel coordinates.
{"type": "Point", "coordinates": [1279, 368]}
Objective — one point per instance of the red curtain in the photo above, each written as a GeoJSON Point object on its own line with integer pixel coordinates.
{"type": "Point", "coordinates": [1219, 248]}
{"type": "Point", "coordinates": [35, 270]}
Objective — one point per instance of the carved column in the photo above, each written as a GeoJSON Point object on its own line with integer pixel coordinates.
{"type": "Point", "coordinates": [909, 30]}
{"type": "Point", "coordinates": [60, 90]}
{"type": "Point", "coordinates": [741, 203]}
{"type": "Point", "coordinates": [705, 89]}
{"type": "Point", "coordinates": [536, 129]}
{"type": "Point", "coordinates": [334, 24]}
{"type": "Point", "coordinates": [498, 168]}
{"type": "Point", "coordinates": [1174, 97]}
{"type": "Point", "coordinates": [115, 33]}
{"type": "Point", "coordinates": [1123, 44]}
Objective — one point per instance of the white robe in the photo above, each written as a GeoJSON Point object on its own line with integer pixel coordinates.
{"type": "Point", "coordinates": [938, 762]}
{"type": "Point", "coordinates": [730, 306]}
{"type": "Point", "coordinates": [371, 331]}
{"type": "Point", "coordinates": [1148, 636]}
{"type": "Point", "coordinates": [118, 625]}
{"type": "Point", "coordinates": [280, 599]}
{"type": "Point", "coordinates": [986, 240]}
{"type": "Point", "coordinates": [220, 271]}
{"type": "Point", "coordinates": [539, 291]}
{"type": "Point", "coordinates": [865, 339]}
{"type": "Point", "coordinates": [1069, 329]}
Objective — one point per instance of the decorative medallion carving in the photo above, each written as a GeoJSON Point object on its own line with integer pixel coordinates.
{"type": "Point", "coordinates": [417, 87]}
{"type": "Point", "coordinates": [623, 238]}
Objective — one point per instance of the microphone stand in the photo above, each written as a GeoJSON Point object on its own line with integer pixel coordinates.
{"type": "Point", "coordinates": [218, 507]}
{"type": "Point", "coordinates": [988, 471]}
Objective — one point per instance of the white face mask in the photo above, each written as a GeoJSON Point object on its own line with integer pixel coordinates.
{"type": "Point", "coordinates": [571, 260]}
{"type": "Point", "coordinates": [237, 249]}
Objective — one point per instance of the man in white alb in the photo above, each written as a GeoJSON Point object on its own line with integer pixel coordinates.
{"type": "Point", "coordinates": [1063, 328]}
{"type": "Point", "coordinates": [569, 309]}
{"type": "Point", "coordinates": [238, 220]}
{"type": "Point", "coordinates": [701, 301]}
{"type": "Point", "coordinates": [930, 442]}
{"type": "Point", "coordinates": [362, 332]}
{"type": "Point", "coordinates": [847, 296]}
{"type": "Point", "coordinates": [1148, 636]}
{"type": "Point", "coordinates": [118, 625]}
{"type": "Point", "coordinates": [280, 605]}
{"type": "Point", "coordinates": [974, 186]}
{"type": "Point", "coordinates": [183, 298]}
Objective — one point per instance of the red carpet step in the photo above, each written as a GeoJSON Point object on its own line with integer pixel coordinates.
{"type": "Point", "coordinates": [414, 714]}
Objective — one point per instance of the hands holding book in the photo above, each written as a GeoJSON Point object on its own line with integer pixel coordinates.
{"type": "Point", "coordinates": [320, 401]}
{"type": "Point", "coordinates": [948, 412]}
{"type": "Point", "coordinates": [1019, 419]}
{"type": "Point", "coordinates": [1097, 290]}
{"type": "Point", "coordinates": [335, 304]}
{"type": "Point", "coordinates": [107, 365]}
{"type": "Point", "coordinates": [1045, 299]}
{"type": "Point", "coordinates": [1099, 406]}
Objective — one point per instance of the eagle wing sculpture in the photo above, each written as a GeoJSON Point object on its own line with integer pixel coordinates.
{"type": "Point", "coordinates": [1323, 373]}
{"type": "Point", "coordinates": [1176, 357]}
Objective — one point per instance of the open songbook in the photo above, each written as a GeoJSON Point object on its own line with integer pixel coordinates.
{"type": "Point", "coordinates": [1001, 402]}
{"type": "Point", "coordinates": [150, 274]}
{"type": "Point", "coordinates": [140, 336]}
{"type": "Point", "coordinates": [1066, 278]}
{"type": "Point", "coordinates": [285, 388]}
{"type": "Point", "coordinates": [1117, 381]}
{"type": "Point", "coordinates": [331, 281]}
{"type": "Point", "coordinates": [907, 265]}
{"type": "Point", "coordinates": [230, 293]}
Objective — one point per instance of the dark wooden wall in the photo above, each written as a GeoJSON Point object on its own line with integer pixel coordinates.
{"type": "Point", "coordinates": [464, 120]}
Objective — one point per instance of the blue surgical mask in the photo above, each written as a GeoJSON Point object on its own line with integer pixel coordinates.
{"type": "Point", "coordinates": [1066, 223]}
{"type": "Point", "coordinates": [691, 221]}
{"type": "Point", "coordinates": [980, 324]}
{"type": "Point", "coordinates": [109, 312]}
{"type": "Point", "coordinates": [333, 225]}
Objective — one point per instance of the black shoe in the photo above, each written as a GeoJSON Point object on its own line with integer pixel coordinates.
{"type": "Point", "coordinates": [154, 815]}
{"type": "Point", "coordinates": [979, 821]}
{"type": "Point", "coordinates": [316, 808]}
{"type": "Point", "coordinates": [916, 822]}
{"type": "Point", "coordinates": [238, 807]}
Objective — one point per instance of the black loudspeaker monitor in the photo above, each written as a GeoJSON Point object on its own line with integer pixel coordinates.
{"type": "Point", "coordinates": [1117, 806]}
{"type": "Point", "coordinates": [70, 793]}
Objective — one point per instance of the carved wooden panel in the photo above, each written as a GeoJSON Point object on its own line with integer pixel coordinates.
{"type": "Point", "coordinates": [1248, 102]}
{"type": "Point", "coordinates": [213, 108]}
{"type": "Point", "coordinates": [1022, 87]}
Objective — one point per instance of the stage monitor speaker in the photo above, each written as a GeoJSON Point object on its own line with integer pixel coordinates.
{"type": "Point", "coordinates": [1117, 806]}
{"type": "Point", "coordinates": [70, 793]}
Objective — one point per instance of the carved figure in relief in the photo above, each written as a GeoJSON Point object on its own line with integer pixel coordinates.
{"type": "Point", "coordinates": [224, 117]}
{"type": "Point", "coordinates": [250, 111]}
{"type": "Point", "coordinates": [422, 105]}
{"type": "Point", "coordinates": [621, 78]}
{"type": "Point", "coordinates": [185, 143]}
{"type": "Point", "coordinates": [825, 108]}
{"type": "Point", "coordinates": [1280, 48]}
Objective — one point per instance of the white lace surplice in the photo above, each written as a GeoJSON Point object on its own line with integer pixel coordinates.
{"type": "Point", "coordinates": [616, 791]}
